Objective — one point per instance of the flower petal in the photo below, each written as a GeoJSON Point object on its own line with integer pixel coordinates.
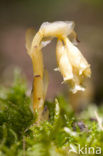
{"type": "Point", "coordinates": [77, 59]}
{"type": "Point", "coordinates": [63, 61]}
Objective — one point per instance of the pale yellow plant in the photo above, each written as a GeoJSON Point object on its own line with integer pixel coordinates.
{"type": "Point", "coordinates": [71, 63]}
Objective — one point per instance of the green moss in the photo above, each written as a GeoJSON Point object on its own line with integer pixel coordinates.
{"type": "Point", "coordinates": [19, 135]}
{"type": "Point", "coordinates": [15, 114]}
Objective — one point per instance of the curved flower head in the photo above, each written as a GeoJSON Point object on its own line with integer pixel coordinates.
{"type": "Point", "coordinates": [71, 63]}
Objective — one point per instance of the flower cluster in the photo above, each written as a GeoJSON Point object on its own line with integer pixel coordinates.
{"type": "Point", "coordinates": [71, 63]}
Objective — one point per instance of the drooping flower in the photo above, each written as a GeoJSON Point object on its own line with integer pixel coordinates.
{"type": "Point", "coordinates": [71, 63]}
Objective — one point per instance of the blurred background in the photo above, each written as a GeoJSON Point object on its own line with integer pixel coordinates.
{"type": "Point", "coordinates": [16, 16]}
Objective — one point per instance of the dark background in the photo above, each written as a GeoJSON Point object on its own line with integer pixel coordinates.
{"type": "Point", "coordinates": [18, 15]}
